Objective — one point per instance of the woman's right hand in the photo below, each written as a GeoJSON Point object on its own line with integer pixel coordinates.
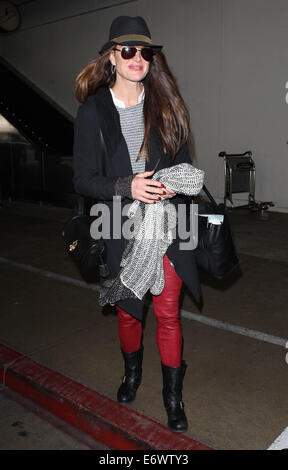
{"type": "Point", "coordinates": [148, 190]}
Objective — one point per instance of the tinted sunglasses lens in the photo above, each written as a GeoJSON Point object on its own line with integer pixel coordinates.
{"type": "Point", "coordinates": [147, 53]}
{"type": "Point", "coordinates": [128, 52]}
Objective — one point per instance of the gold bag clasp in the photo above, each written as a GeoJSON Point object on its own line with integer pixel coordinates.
{"type": "Point", "coordinates": [73, 245]}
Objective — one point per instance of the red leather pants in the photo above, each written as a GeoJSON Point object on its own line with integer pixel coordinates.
{"type": "Point", "coordinates": [166, 309]}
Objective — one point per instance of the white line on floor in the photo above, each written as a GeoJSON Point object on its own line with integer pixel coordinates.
{"type": "Point", "coordinates": [241, 330]}
{"type": "Point", "coordinates": [258, 335]}
{"type": "Point", "coordinates": [281, 442]}
{"type": "Point", "coordinates": [43, 272]}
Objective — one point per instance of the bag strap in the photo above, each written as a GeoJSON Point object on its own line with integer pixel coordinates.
{"type": "Point", "coordinates": [103, 150]}
{"type": "Point", "coordinates": [209, 195]}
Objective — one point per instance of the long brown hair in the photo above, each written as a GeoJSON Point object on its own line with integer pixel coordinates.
{"type": "Point", "coordinates": [164, 108]}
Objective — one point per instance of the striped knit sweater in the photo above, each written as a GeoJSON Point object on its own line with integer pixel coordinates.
{"type": "Point", "coordinates": [132, 127]}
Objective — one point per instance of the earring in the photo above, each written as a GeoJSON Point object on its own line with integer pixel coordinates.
{"type": "Point", "coordinates": [113, 69]}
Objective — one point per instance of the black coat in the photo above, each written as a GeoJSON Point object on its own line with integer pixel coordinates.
{"type": "Point", "coordinates": [95, 175]}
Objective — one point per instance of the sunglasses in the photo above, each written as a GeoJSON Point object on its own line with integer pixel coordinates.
{"type": "Point", "coordinates": [128, 52]}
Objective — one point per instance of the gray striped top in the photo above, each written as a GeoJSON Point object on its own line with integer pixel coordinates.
{"type": "Point", "coordinates": [133, 129]}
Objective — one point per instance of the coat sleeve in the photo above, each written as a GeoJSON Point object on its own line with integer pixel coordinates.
{"type": "Point", "coordinates": [89, 179]}
{"type": "Point", "coordinates": [183, 156]}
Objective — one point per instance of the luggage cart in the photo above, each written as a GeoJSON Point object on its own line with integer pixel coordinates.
{"type": "Point", "coordinates": [240, 172]}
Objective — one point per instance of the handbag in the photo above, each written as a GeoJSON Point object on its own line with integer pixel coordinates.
{"type": "Point", "coordinates": [215, 253]}
{"type": "Point", "coordinates": [86, 252]}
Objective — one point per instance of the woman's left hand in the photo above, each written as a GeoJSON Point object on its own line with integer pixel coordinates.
{"type": "Point", "coordinates": [148, 190]}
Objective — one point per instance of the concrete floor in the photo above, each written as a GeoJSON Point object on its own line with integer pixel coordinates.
{"type": "Point", "coordinates": [23, 429]}
{"type": "Point", "coordinates": [235, 389]}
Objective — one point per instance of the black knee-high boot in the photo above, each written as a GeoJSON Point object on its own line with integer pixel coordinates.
{"type": "Point", "coordinates": [132, 378]}
{"type": "Point", "coordinates": [172, 396]}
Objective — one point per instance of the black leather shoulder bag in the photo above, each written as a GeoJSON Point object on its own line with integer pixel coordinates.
{"type": "Point", "coordinates": [215, 253]}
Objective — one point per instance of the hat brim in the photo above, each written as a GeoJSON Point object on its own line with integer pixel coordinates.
{"type": "Point", "coordinates": [129, 43]}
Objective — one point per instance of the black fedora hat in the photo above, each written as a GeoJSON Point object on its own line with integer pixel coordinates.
{"type": "Point", "coordinates": [129, 31]}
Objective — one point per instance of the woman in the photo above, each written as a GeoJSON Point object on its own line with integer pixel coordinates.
{"type": "Point", "coordinates": [131, 101]}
